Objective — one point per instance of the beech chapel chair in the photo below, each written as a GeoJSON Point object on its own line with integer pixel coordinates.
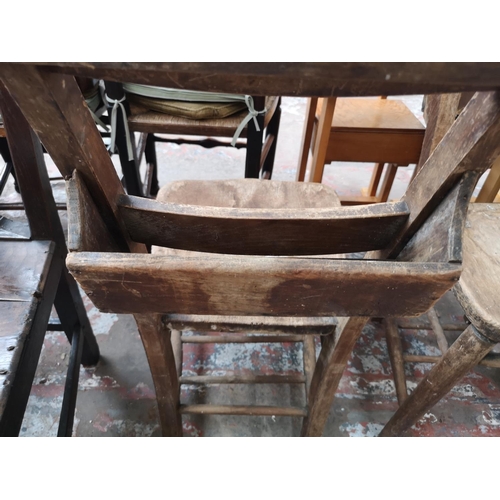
{"type": "Point", "coordinates": [33, 280]}
{"type": "Point", "coordinates": [382, 131]}
{"type": "Point", "coordinates": [251, 121]}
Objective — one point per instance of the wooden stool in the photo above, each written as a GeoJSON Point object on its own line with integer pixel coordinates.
{"type": "Point", "coordinates": [477, 292]}
{"type": "Point", "coordinates": [360, 130]}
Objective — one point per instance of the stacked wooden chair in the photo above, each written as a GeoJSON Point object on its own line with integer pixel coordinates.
{"type": "Point", "coordinates": [414, 247]}
{"type": "Point", "coordinates": [33, 280]}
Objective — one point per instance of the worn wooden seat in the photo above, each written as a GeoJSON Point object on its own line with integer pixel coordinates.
{"type": "Point", "coordinates": [360, 130]}
{"type": "Point", "coordinates": [33, 279]}
{"type": "Point", "coordinates": [477, 292]}
{"type": "Point", "coordinates": [260, 144]}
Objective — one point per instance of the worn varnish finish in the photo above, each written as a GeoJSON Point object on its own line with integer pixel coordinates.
{"type": "Point", "coordinates": [240, 231]}
{"type": "Point", "coordinates": [242, 285]}
{"type": "Point", "coordinates": [299, 79]}
{"type": "Point", "coordinates": [86, 229]}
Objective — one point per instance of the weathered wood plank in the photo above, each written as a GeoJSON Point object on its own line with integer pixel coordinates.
{"type": "Point", "coordinates": [241, 231]}
{"type": "Point", "coordinates": [440, 237]}
{"type": "Point", "coordinates": [242, 285]}
{"type": "Point", "coordinates": [86, 229]}
{"type": "Point", "coordinates": [299, 79]}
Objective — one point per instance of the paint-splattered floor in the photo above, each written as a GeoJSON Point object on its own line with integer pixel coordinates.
{"type": "Point", "coordinates": [117, 398]}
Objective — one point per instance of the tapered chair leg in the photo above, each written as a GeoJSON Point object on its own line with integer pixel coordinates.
{"type": "Point", "coordinates": [333, 358]}
{"type": "Point", "coordinates": [461, 357]}
{"type": "Point", "coordinates": [157, 344]}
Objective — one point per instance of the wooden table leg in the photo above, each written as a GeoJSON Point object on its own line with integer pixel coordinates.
{"type": "Point", "coordinates": [460, 358]}
{"type": "Point", "coordinates": [491, 185]}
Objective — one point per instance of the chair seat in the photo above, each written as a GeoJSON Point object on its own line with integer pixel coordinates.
{"type": "Point", "coordinates": [479, 286]}
{"type": "Point", "coordinates": [145, 120]}
{"type": "Point", "coordinates": [23, 271]}
{"type": "Point", "coordinates": [376, 115]}
{"type": "Point", "coordinates": [249, 193]}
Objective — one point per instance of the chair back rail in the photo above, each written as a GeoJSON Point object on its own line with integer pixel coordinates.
{"type": "Point", "coordinates": [242, 231]}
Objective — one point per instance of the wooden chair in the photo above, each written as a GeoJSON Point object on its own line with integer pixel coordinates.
{"type": "Point", "coordinates": [413, 246]}
{"type": "Point", "coordinates": [477, 292]}
{"type": "Point", "coordinates": [142, 117]}
{"type": "Point", "coordinates": [34, 278]}
{"type": "Point", "coordinates": [382, 130]}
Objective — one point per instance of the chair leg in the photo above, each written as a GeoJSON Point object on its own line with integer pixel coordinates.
{"type": "Point", "coordinates": [157, 344]}
{"type": "Point", "coordinates": [460, 358]}
{"type": "Point", "coordinates": [330, 367]}
{"type": "Point", "coordinates": [152, 187]}
{"type": "Point", "coordinates": [491, 185]}
{"type": "Point", "coordinates": [272, 130]}
{"type": "Point", "coordinates": [254, 142]}
{"type": "Point", "coordinates": [387, 182]}
{"type": "Point", "coordinates": [396, 357]}
{"type": "Point", "coordinates": [312, 103]}
{"type": "Point", "coordinates": [322, 139]}
{"type": "Point", "coordinates": [375, 180]}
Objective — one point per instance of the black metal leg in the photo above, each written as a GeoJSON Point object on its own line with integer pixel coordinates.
{"type": "Point", "coordinates": [150, 154]}
{"type": "Point", "coordinates": [272, 129]}
{"type": "Point", "coordinates": [71, 311]}
{"type": "Point", "coordinates": [71, 386]}
{"type": "Point", "coordinates": [5, 153]}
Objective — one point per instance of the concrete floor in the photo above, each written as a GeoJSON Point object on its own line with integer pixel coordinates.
{"type": "Point", "coordinates": [116, 398]}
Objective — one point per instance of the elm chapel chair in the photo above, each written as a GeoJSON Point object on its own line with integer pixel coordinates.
{"type": "Point", "coordinates": [152, 114]}
{"type": "Point", "coordinates": [414, 246]}
{"type": "Point", "coordinates": [33, 279]}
